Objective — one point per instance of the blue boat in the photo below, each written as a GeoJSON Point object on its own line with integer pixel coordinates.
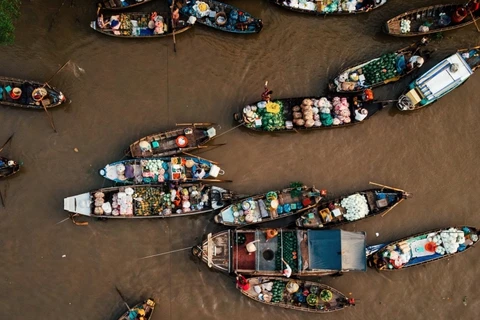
{"type": "Point", "coordinates": [219, 16]}
{"type": "Point", "coordinates": [447, 75]}
{"type": "Point", "coordinates": [159, 170]}
{"type": "Point", "coordinates": [422, 248]}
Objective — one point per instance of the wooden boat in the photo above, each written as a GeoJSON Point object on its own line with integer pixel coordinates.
{"type": "Point", "coordinates": [269, 206]}
{"type": "Point", "coordinates": [296, 294]}
{"type": "Point", "coordinates": [8, 167]}
{"type": "Point", "coordinates": [220, 16]}
{"type": "Point", "coordinates": [156, 201]}
{"type": "Point", "coordinates": [446, 76]}
{"type": "Point", "coordinates": [173, 142]}
{"type": "Point", "coordinates": [158, 170]}
{"type": "Point", "coordinates": [307, 252]}
{"type": "Point", "coordinates": [121, 4]}
{"type": "Point", "coordinates": [29, 94]}
{"type": "Point", "coordinates": [134, 25]}
{"type": "Point", "coordinates": [438, 18]}
{"type": "Point", "coordinates": [344, 209]}
{"type": "Point", "coordinates": [283, 115]}
{"type": "Point", "coordinates": [329, 7]}
{"type": "Point", "coordinates": [369, 74]}
{"type": "Point", "coordinates": [144, 309]}
{"type": "Point", "coordinates": [422, 248]}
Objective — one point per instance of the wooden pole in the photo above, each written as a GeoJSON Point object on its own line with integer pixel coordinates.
{"type": "Point", "coordinates": [46, 82]}
{"type": "Point", "coordinates": [231, 129]}
{"type": "Point", "coordinates": [383, 214]}
{"type": "Point", "coordinates": [8, 140]}
{"type": "Point", "coordinates": [50, 118]}
{"type": "Point", "coordinates": [384, 186]}
{"type": "Point", "coordinates": [2, 199]}
{"type": "Point", "coordinates": [194, 124]}
{"type": "Point", "coordinates": [474, 21]}
{"type": "Point", "coordinates": [123, 299]}
{"type": "Point", "coordinates": [173, 28]}
{"type": "Point", "coordinates": [194, 156]}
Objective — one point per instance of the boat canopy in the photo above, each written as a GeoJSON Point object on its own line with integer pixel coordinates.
{"type": "Point", "coordinates": [444, 77]}
{"type": "Point", "coordinates": [336, 250]}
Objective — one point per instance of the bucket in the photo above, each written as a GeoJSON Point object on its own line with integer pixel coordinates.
{"type": "Point", "coordinates": [15, 93]}
{"type": "Point", "coordinates": [215, 171]}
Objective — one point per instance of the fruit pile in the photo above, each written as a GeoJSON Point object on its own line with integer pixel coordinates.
{"type": "Point", "coordinates": [381, 69]}
{"type": "Point", "coordinates": [277, 290]}
{"type": "Point", "coordinates": [289, 241]}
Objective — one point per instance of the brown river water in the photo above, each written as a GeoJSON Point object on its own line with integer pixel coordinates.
{"type": "Point", "coordinates": [122, 90]}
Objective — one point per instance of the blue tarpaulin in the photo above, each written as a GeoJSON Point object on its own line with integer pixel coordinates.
{"type": "Point", "coordinates": [336, 250]}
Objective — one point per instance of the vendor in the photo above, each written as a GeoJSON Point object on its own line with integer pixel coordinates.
{"type": "Point", "coordinates": [473, 5]}
{"type": "Point", "coordinates": [267, 94]}
{"type": "Point", "coordinates": [242, 283]}
{"type": "Point", "coordinates": [364, 5]}
{"type": "Point", "coordinates": [415, 62]}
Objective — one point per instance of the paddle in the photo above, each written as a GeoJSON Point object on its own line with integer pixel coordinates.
{"type": "Point", "coordinates": [8, 140]}
{"type": "Point", "coordinates": [123, 299]}
{"type": "Point", "coordinates": [46, 82]}
{"type": "Point", "coordinates": [173, 28]}
{"type": "Point", "coordinates": [384, 186]}
{"type": "Point", "coordinates": [50, 118]}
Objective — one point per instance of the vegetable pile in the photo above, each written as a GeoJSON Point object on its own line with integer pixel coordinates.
{"type": "Point", "coordinates": [277, 290]}
{"type": "Point", "coordinates": [289, 241]}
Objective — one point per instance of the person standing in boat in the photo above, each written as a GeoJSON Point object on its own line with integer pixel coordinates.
{"type": "Point", "coordinates": [287, 272]}
{"type": "Point", "coordinates": [267, 94]}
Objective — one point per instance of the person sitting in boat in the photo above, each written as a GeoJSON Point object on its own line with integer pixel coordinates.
{"type": "Point", "coordinates": [415, 62]}
{"type": "Point", "coordinates": [364, 5]}
{"type": "Point", "coordinates": [473, 5]}
{"type": "Point", "coordinates": [100, 22]}
{"type": "Point", "coordinates": [287, 272]}
{"type": "Point", "coordinates": [242, 283]}
{"type": "Point", "coordinates": [267, 94]}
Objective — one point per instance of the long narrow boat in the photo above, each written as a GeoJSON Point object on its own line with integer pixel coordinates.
{"type": "Point", "coordinates": [389, 67]}
{"type": "Point", "coordinates": [143, 310]}
{"type": "Point", "coordinates": [351, 208]}
{"type": "Point", "coordinates": [423, 248]}
{"type": "Point", "coordinates": [29, 94]}
{"type": "Point", "coordinates": [307, 113]}
{"type": "Point", "coordinates": [143, 202]}
{"type": "Point", "coordinates": [446, 76]}
{"type": "Point", "coordinates": [8, 167]}
{"type": "Point", "coordinates": [220, 16]}
{"type": "Point", "coordinates": [431, 19]}
{"type": "Point", "coordinates": [134, 25]}
{"type": "Point", "coordinates": [329, 7]}
{"type": "Point", "coordinates": [265, 252]}
{"type": "Point", "coordinates": [269, 206]}
{"type": "Point", "coordinates": [121, 4]}
{"type": "Point", "coordinates": [296, 294]}
{"type": "Point", "coordinates": [173, 142]}
{"type": "Point", "coordinates": [158, 170]}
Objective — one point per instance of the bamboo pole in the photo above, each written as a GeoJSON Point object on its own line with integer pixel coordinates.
{"type": "Point", "coordinates": [384, 186]}
{"type": "Point", "coordinates": [194, 124]}
{"type": "Point", "coordinates": [193, 156]}
{"type": "Point", "coordinates": [8, 140]}
{"type": "Point", "coordinates": [383, 214]}
{"type": "Point", "coordinates": [474, 21]}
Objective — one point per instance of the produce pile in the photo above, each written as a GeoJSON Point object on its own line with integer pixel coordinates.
{"type": "Point", "coordinates": [381, 69]}
{"type": "Point", "coordinates": [451, 239]}
{"type": "Point", "coordinates": [405, 26]}
{"type": "Point", "coordinates": [356, 207]}
{"type": "Point", "coordinates": [265, 116]}
{"type": "Point", "coordinates": [152, 203]}
{"type": "Point", "coordinates": [289, 241]}
{"type": "Point", "coordinates": [278, 289]}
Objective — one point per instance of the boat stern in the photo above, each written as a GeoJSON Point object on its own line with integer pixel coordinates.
{"type": "Point", "coordinates": [409, 100]}
{"type": "Point", "coordinates": [80, 204]}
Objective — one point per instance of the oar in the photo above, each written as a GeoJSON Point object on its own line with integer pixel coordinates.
{"type": "Point", "coordinates": [8, 140]}
{"type": "Point", "coordinates": [2, 199]}
{"type": "Point", "coordinates": [50, 118]}
{"type": "Point", "coordinates": [194, 156]}
{"type": "Point", "coordinates": [195, 124]}
{"type": "Point", "coordinates": [474, 21]}
{"type": "Point", "coordinates": [123, 299]}
{"type": "Point", "coordinates": [383, 214]}
{"type": "Point", "coordinates": [173, 28]}
{"type": "Point", "coordinates": [384, 186]}
{"type": "Point", "coordinates": [213, 180]}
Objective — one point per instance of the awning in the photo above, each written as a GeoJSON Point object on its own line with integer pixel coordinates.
{"type": "Point", "coordinates": [336, 250]}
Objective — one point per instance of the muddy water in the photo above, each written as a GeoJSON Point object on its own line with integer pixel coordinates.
{"type": "Point", "coordinates": [122, 90]}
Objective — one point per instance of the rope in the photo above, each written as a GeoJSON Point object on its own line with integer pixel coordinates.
{"type": "Point", "coordinates": [231, 129]}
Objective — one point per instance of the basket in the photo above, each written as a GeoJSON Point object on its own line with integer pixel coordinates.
{"type": "Point", "coordinates": [221, 19]}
